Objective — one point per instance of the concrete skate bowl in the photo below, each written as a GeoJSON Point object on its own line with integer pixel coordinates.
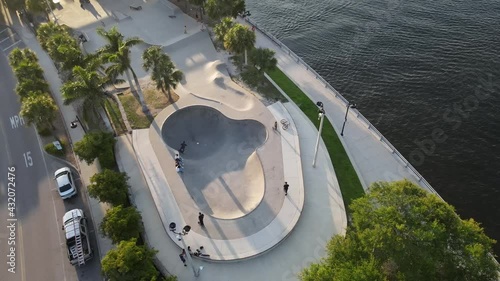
{"type": "Point", "coordinates": [222, 170]}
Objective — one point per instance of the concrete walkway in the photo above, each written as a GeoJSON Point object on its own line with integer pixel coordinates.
{"type": "Point", "coordinates": [373, 157]}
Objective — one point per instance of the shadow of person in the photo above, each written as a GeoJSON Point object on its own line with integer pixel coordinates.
{"type": "Point", "coordinates": [89, 7]}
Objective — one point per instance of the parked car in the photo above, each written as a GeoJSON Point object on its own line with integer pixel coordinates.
{"type": "Point", "coordinates": [77, 240]}
{"type": "Point", "coordinates": [65, 184]}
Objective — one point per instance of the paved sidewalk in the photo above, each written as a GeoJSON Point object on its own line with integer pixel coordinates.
{"type": "Point", "coordinates": [370, 154]}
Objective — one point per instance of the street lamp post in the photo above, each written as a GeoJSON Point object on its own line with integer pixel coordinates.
{"type": "Point", "coordinates": [349, 105]}
{"type": "Point", "coordinates": [321, 117]}
{"type": "Point", "coordinates": [52, 11]}
{"type": "Point", "coordinates": [179, 236]}
{"type": "Point", "coordinates": [74, 125]}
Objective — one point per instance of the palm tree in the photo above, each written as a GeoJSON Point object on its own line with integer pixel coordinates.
{"type": "Point", "coordinates": [222, 28]}
{"type": "Point", "coordinates": [239, 39]}
{"type": "Point", "coordinates": [162, 69]}
{"type": "Point", "coordinates": [117, 52]}
{"type": "Point", "coordinates": [88, 86]}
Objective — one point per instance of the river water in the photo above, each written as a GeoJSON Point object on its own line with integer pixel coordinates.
{"type": "Point", "coordinates": [417, 70]}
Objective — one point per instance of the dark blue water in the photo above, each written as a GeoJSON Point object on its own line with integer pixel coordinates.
{"type": "Point", "coordinates": [425, 73]}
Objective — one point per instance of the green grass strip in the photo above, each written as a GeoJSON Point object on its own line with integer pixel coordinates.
{"type": "Point", "coordinates": [350, 185]}
{"type": "Point", "coordinates": [116, 117]}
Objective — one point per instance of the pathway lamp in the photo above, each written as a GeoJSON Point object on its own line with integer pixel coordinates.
{"type": "Point", "coordinates": [321, 117]}
{"type": "Point", "coordinates": [51, 10]}
{"type": "Point", "coordinates": [179, 235]}
{"type": "Point", "coordinates": [74, 124]}
{"type": "Point", "coordinates": [349, 105]}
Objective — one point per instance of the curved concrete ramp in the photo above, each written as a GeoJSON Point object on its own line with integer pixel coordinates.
{"type": "Point", "coordinates": [225, 175]}
{"type": "Point", "coordinates": [184, 40]}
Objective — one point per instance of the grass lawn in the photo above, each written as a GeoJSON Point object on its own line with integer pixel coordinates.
{"type": "Point", "coordinates": [348, 179]}
{"type": "Point", "coordinates": [116, 117]}
{"type": "Point", "coordinates": [156, 100]}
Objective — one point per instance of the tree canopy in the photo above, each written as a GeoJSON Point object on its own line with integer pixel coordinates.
{"type": "Point", "coordinates": [129, 262]}
{"type": "Point", "coordinates": [222, 28]}
{"type": "Point", "coordinates": [87, 86]}
{"type": "Point", "coordinates": [94, 145]}
{"type": "Point", "coordinates": [217, 9]}
{"type": "Point", "coordinates": [401, 232]}
{"type": "Point", "coordinates": [239, 38]}
{"type": "Point", "coordinates": [263, 59]}
{"type": "Point", "coordinates": [28, 72]}
{"type": "Point", "coordinates": [121, 223]}
{"type": "Point", "coordinates": [39, 109]}
{"type": "Point", "coordinates": [117, 53]}
{"type": "Point", "coordinates": [61, 46]}
{"type": "Point", "coordinates": [110, 187]}
{"type": "Point", "coordinates": [162, 68]}
{"type": "Point", "coordinates": [17, 5]}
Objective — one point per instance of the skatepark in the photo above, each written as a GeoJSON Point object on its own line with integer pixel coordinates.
{"type": "Point", "coordinates": [235, 162]}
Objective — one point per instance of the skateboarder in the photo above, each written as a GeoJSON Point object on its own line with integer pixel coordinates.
{"type": "Point", "coordinates": [183, 147]}
{"type": "Point", "coordinates": [285, 188]}
{"type": "Point", "coordinates": [200, 219]}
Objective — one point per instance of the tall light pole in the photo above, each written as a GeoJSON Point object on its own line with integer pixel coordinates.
{"type": "Point", "coordinates": [349, 105]}
{"type": "Point", "coordinates": [179, 236]}
{"type": "Point", "coordinates": [52, 11]}
{"type": "Point", "coordinates": [321, 117]}
{"type": "Point", "coordinates": [74, 125]}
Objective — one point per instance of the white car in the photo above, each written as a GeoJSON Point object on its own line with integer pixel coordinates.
{"type": "Point", "coordinates": [65, 183]}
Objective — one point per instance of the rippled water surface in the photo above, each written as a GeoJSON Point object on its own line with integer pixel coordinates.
{"type": "Point", "coordinates": [413, 68]}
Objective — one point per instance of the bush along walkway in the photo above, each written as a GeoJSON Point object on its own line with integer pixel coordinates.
{"type": "Point", "coordinates": [347, 177]}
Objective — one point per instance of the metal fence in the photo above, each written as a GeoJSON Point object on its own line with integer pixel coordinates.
{"type": "Point", "coordinates": [358, 115]}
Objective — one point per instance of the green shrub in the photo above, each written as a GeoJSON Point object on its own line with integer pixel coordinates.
{"type": "Point", "coordinates": [107, 159]}
{"type": "Point", "coordinates": [52, 150]}
{"type": "Point", "coordinates": [252, 77]}
{"type": "Point", "coordinates": [44, 132]}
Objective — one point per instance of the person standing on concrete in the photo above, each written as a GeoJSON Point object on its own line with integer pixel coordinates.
{"type": "Point", "coordinates": [183, 147]}
{"type": "Point", "coordinates": [179, 168]}
{"type": "Point", "coordinates": [178, 159]}
{"type": "Point", "coordinates": [200, 219]}
{"type": "Point", "coordinates": [183, 259]}
{"type": "Point", "coordinates": [285, 188]}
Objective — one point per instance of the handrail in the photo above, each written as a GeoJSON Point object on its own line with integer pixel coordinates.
{"type": "Point", "coordinates": [360, 116]}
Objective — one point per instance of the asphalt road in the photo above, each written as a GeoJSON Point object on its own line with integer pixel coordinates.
{"type": "Point", "coordinates": [30, 226]}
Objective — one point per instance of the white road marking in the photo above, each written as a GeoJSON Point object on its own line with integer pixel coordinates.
{"type": "Point", "coordinates": [3, 30]}
{"type": "Point", "coordinates": [21, 249]}
{"type": "Point", "coordinates": [17, 42]}
{"type": "Point", "coordinates": [8, 38]}
{"type": "Point", "coordinates": [53, 202]}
